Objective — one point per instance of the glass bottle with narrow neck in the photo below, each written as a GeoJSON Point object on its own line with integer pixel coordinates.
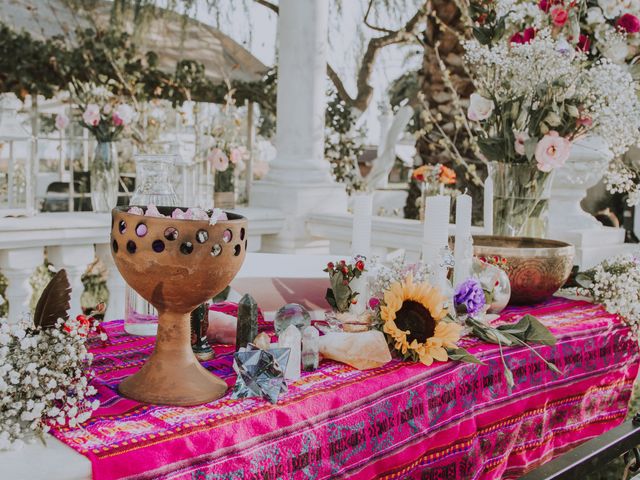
{"type": "Point", "coordinates": [153, 187]}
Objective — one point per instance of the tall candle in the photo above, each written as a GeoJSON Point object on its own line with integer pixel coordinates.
{"type": "Point", "coordinates": [436, 227]}
{"type": "Point", "coordinates": [463, 247]}
{"type": "Point", "coordinates": [361, 232]}
{"type": "Point", "coordinates": [361, 245]}
{"type": "Point", "coordinates": [488, 206]}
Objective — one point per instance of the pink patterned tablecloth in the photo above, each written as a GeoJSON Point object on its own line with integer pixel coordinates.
{"type": "Point", "coordinates": [404, 420]}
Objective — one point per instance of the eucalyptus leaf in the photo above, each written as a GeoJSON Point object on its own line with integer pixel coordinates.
{"type": "Point", "coordinates": [509, 377]}
{"type": "Point", "coordinates": [461, 355]}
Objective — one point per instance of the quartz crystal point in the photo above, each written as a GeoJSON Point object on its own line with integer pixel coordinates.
{"type": "Point", "coordinates": [291, 314]}
{"type": "Point", "coordinates": [310, 348]}
{"type": "Point", "coordinates": [292, 338]}
{"type": "Point", "coordinates": [247, 321]}
{"type": "Point", "coordinates": [262, 341]}
{"type": "Point", "coordinates": [362, 350]}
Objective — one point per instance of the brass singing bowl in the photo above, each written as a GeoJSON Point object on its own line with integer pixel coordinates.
{"type": "Point", "coordinates": [175, 265]}
{"type": "Point", "coordinates": [536, 267]}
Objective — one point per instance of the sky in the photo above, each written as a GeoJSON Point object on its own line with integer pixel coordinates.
{"type": "Point", "coordinates": [255, 28]}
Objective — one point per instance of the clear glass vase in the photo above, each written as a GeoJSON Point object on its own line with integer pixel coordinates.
{"type": "Point", "coordinates": [520, 199]}
{"type": "Point", "coordinates": [153, 186]}
{"type": "Point", "coordinates": [104, 177]}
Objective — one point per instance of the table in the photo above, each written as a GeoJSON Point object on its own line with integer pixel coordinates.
{"type": "Point", "coordinates": [404, 420]}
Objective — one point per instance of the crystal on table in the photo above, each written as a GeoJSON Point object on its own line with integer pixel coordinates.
{"type": "Point", "coordinates": [260, 373]}
{"type": "Point", "coordinates": [247, 321]}
{"type": "Point", "coordinates": [262, 341]}
{"type": "Point", "coordinates": [310, 348]}
{"type": "Point", "coordinates": [292, 338]}
{"type": "Point", "coordinates": [291, 314]}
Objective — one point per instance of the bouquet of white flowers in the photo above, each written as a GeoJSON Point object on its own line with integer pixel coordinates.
{"type": "Point", "coordinates": [45, 368]}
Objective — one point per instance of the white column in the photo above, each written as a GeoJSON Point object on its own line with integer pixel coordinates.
{"type": "Point", "coordinates": [115, 284]}
{"type": "Point", "coordinates": [18, 264]}
{"type": "Point", "coordinates": [299, 180]}
{"type": "Point", "coordinates": [74, 259]}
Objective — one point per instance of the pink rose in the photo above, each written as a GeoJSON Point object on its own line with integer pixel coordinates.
{"type": "Point", "coordinates": [629, 23]}
{"type": "Point", "coordinates": [552, 151]}
{"type": "Point", "coordinates": [559, 16]}
{"type": "Point", "coordinates": [136, 211]}
{"type": "Point", "coordinates": [152, 211]}
{"type": "Point", "coordinates": [373, 303]}
{"type": "Point", "coordinates": [91, 115]}
{"type": "Point", "coordinates": [584, 122]}
{"type": "Point", "coordinates": [219, 161]}
{"type": "Point", "coordinates": [236, 155]}
{"type": "Point", "coordinates": [62, 121]}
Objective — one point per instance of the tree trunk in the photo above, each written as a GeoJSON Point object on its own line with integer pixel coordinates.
{"type": "Point", "coordinates": [443, 41]}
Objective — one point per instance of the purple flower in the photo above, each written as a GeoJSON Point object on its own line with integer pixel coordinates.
{"type": "Point", "coordinates": [469, 295]}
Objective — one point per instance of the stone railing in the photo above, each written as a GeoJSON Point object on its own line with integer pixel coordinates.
{"type": "Point", "coordinates": [73, 241]}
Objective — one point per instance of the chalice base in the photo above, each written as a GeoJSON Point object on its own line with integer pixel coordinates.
{"type": "Point", "coordinates": [172, 375]}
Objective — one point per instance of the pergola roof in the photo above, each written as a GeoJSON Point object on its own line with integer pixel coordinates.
{"type": "Point", "coordinates": [169, 34]}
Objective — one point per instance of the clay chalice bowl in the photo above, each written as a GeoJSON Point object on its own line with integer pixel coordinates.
{"type": "Point", "coordinates": [175, 265]}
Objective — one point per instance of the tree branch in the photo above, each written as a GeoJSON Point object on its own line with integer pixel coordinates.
{"type": "Point", "coordinates": [373, 27]}
{"type": "Point", "coordinates": [364, 89]}
{"type": "Point", "coordinates": [269, 5]}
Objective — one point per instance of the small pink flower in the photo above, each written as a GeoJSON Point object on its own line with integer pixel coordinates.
{"type": "Point", "coordinates": [552, 151]}
{"type": "Point", "coordinates": [91, 115]}
{"type": "Point", "coordinates": [218, 160]}
{"type": "Point", "coordinates": [117, 121]}
{"type": "Point", "coordinates": [584, 122]}
{"type": "Point", "coordinates": [235, 155]}
{"type": "Point", "coordinates": [152, 211]}
{"type": "Point", "coordinates": [521, 138]}
{"type": "Point", "coordinates": [216, 215]}
{"type": "Point", "coordinates": [373, 303]}
{"type": "Point", "coordinates": [62, 121]}
{"type": "Point", "coordinates": [629, 23]}
{"type": "Point", "coordinates": [136, 211]}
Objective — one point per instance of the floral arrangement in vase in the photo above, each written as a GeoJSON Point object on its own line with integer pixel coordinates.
{"type": "Point", "coordinates": [106, 117]}
{"type": "Point", "coordinates": [45, 369]}
{"type": "Point", "coordinates": [535, 95]}
{"type": "Point", "coordinates": [342, 297]}
{"type": "Point", "coordinates": [225, 152]}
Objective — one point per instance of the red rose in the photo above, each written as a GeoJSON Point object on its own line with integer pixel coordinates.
{"type": "Point", "coordinates": [345, 270]}
{"type": "Point", "coordinates": [517, 38]}
{"type": "Point", "coordinates": [629, 23]}
{"type": "Point", "coordinates": [342, 262]}
{"type": "Point", "coordinates": [330, 265]}
{"type": "Point", "coordinates": [544, 5]}
{"type": "Point", "coordinates": [584, 43]}
{"type": "Point", "coordinates": [559, 16]}
{"type": "Point", "coordinates": [525, 36]}
{"type": "Point", "coordinates": [360, 265]}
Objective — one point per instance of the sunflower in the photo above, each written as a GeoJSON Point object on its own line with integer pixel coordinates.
{"type": "Point", "coordinates": [412, 317]}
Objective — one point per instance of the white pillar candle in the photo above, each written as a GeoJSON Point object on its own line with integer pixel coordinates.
{"type": "Point", "coordinates": [361, 245]}
{"type": "Point", "coordinates": [462, 253]}
{"type": "Point", "coordinates": [488, 206]}
{"type": "Point", "coordinates": [436, 227]}
{"type": "Point", "coordinates": [362, 217]}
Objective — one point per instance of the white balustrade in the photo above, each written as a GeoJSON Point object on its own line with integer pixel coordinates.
{"type": "Point", "coordinates": [73, 241]}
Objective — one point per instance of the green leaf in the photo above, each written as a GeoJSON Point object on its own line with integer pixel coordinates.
{"type": "Point", "coordinates": [331, 300]}
{"type": "Point", "coordinates": [341, 292]}
{"type": "Point", "coordinates": [461, 355]}
{"type": "Point", "coordinates": [529, 329]}
{"type": "Point", "coordinates": [509, 377]}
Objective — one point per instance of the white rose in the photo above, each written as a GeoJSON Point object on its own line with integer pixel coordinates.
{"type": "Point", "coordinates": [610, 8]}
{"type": "Point", "coordinates": [595, 16]}
{"type": "Point", "coordinates": [480, 108]}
